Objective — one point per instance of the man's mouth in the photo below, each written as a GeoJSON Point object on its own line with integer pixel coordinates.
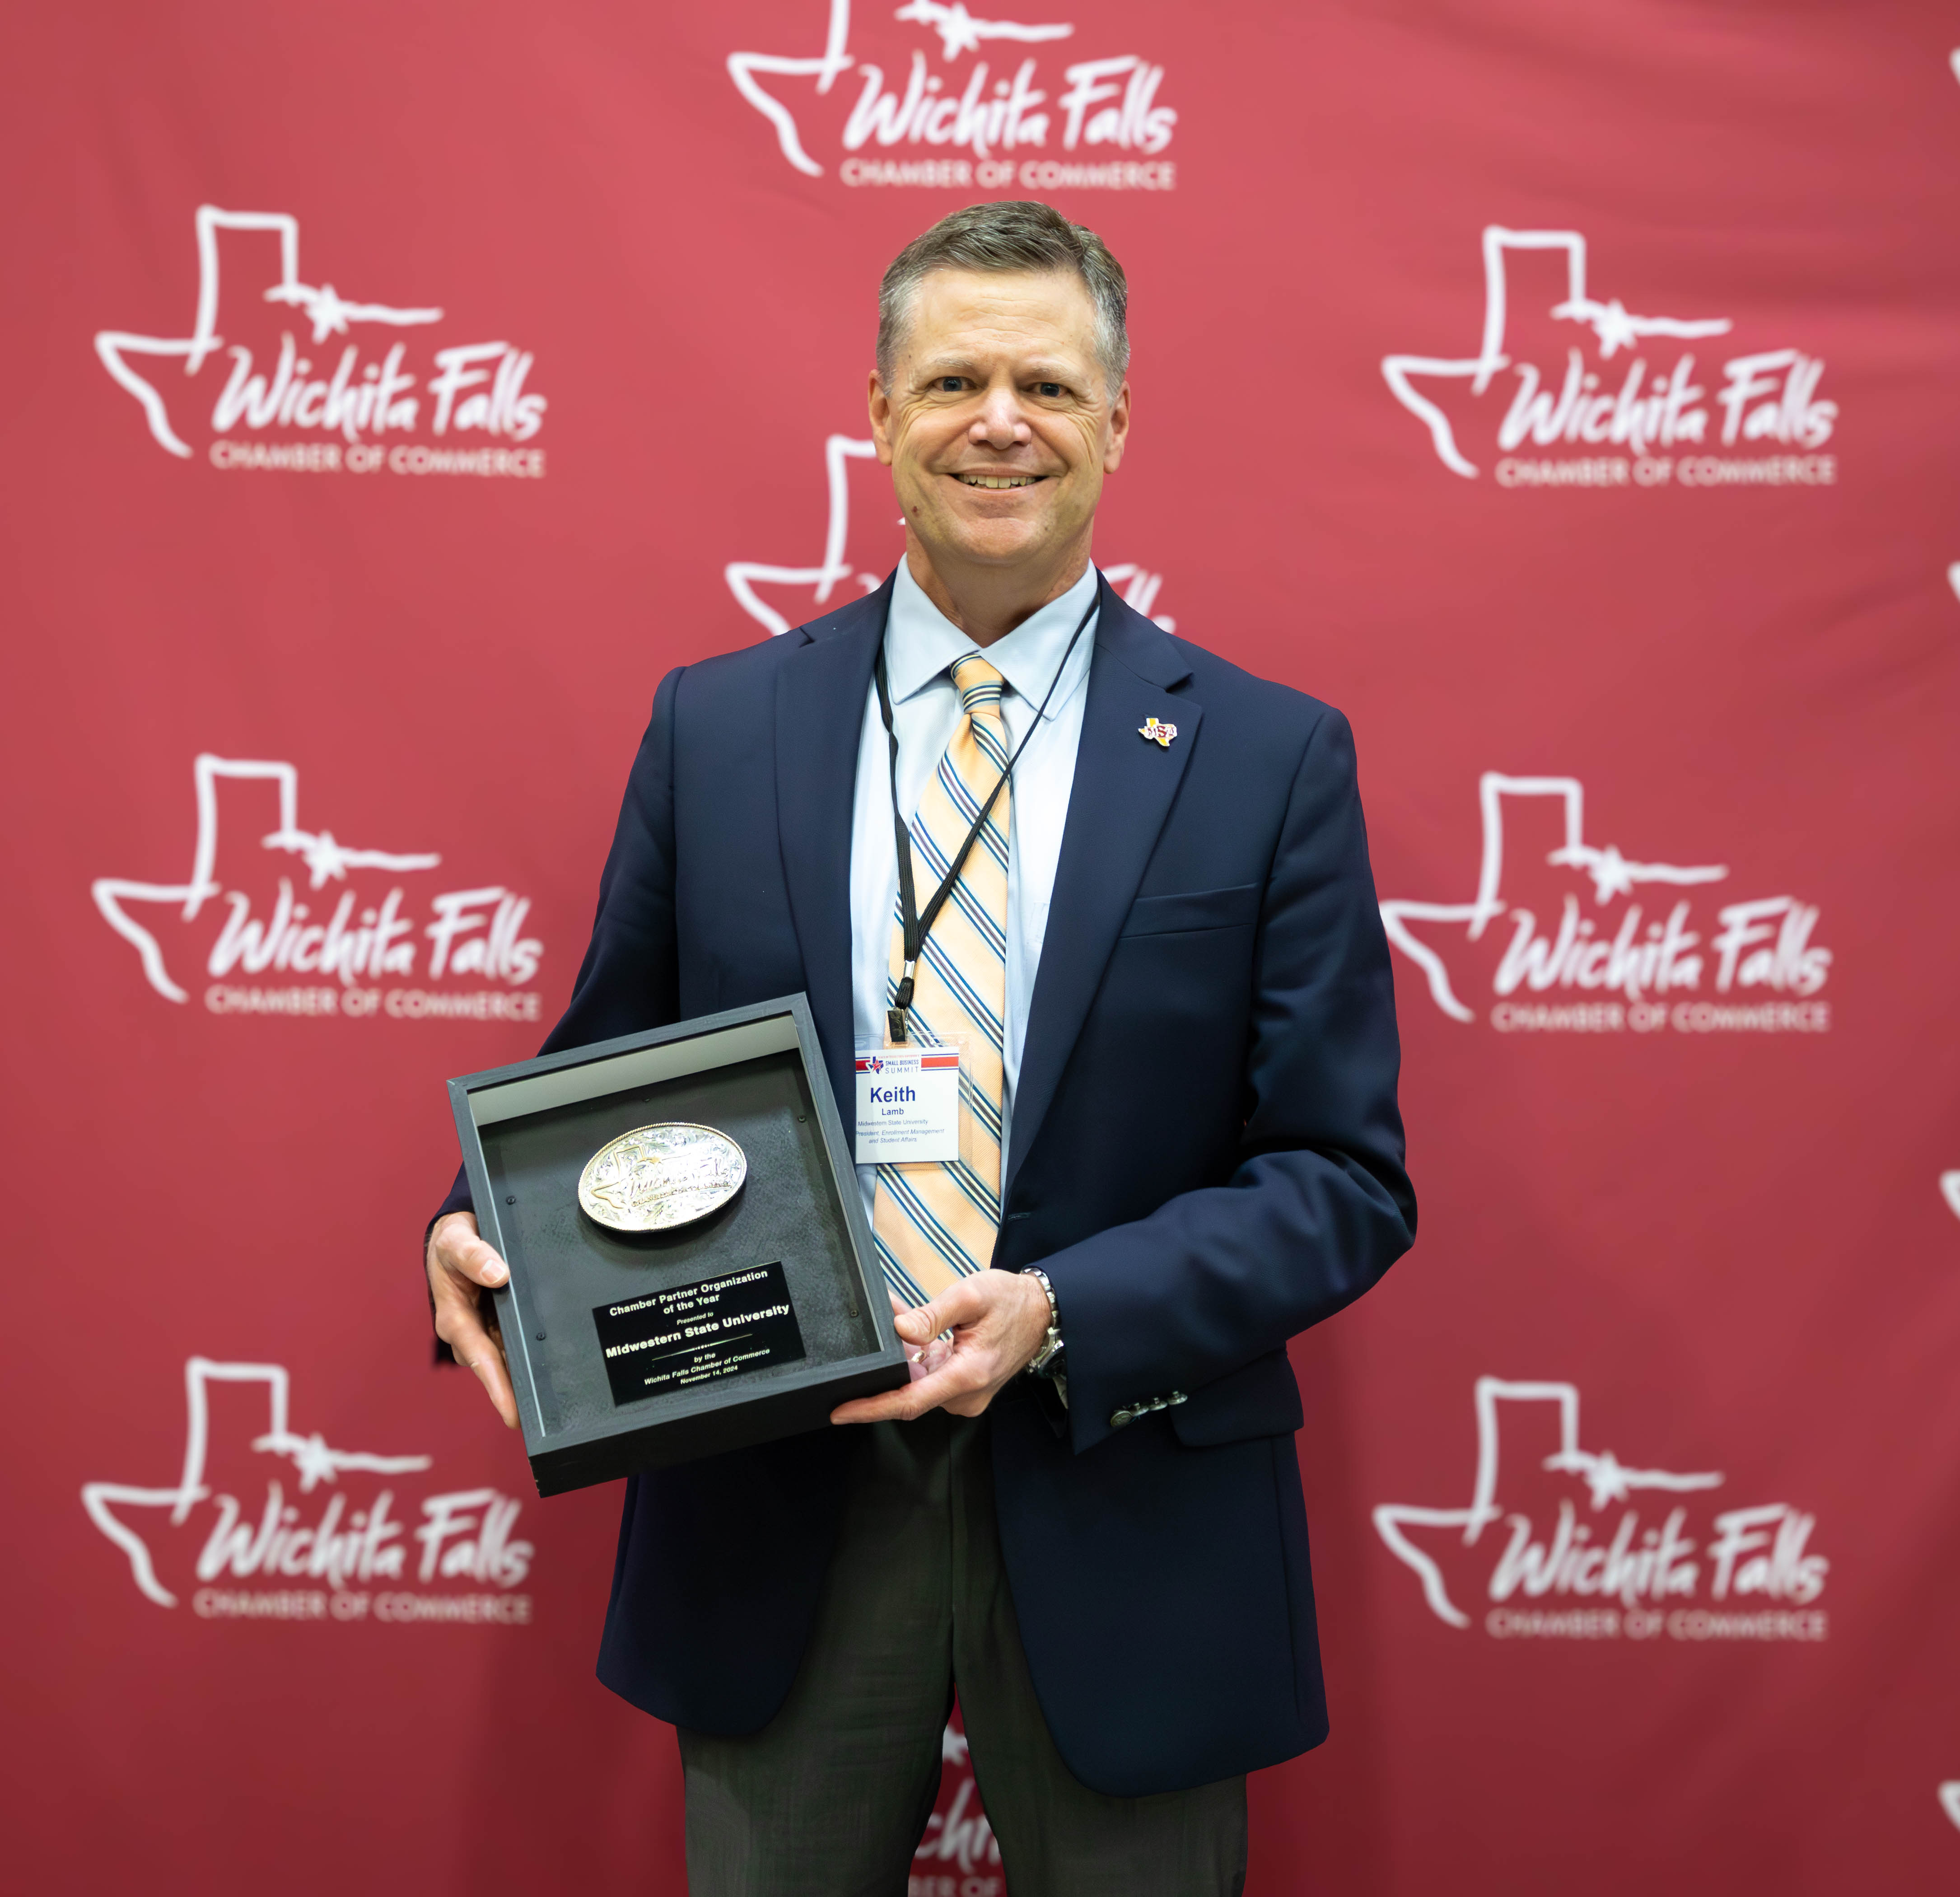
{"type": "Point", "coordinates": [1000, 480]}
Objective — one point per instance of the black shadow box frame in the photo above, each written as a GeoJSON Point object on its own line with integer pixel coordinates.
{"type": "Point", "coordinates": [756, 1074]}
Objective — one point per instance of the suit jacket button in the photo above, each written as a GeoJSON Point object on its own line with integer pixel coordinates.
{"type": "Point", "coordinates": [1121, 1417]}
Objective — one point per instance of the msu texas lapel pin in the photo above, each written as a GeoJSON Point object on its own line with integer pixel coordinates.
{"type": "Point", "coordinates": [1156, 728]}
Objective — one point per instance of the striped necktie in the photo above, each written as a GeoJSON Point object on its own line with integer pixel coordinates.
{"type": "Point", "coordinates": [935, 1222]}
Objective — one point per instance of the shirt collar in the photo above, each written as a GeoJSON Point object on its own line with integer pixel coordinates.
{"type": "Point", "coordinates": [920, 643]}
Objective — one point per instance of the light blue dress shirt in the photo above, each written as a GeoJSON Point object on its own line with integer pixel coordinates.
{"type": "Point", "coordinates": [921, 645]}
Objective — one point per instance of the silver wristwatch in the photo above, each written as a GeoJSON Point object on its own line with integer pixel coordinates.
{"type": "Point", "coordinates": [1047, 1360]}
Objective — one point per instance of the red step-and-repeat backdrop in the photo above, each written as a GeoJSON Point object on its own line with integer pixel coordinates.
{"type": "Point", "coordinates": [395, 393]}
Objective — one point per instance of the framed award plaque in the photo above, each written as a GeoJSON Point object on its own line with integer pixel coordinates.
{"type": "Point", "coordinates": [691, 1268]}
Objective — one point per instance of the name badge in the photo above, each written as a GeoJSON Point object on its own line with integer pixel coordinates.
{"type": "Point", "coordinates": [907, 1105]}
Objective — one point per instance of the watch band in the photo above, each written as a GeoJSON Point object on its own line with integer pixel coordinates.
{"type": "Point", "coordinates": [1043, 1362]}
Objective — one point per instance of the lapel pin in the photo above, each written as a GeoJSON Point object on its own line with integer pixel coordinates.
{"type": "Point", "coordinates": [1156, 728]}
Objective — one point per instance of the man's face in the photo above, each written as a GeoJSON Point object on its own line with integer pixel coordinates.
{"type": "Point", "coordinates": [999, 423]}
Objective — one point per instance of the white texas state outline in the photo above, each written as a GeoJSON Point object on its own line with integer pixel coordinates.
{"type": "Point", "coordinates": [1608, 1479]}
{"type": "Point", "coordinates": [329, 313]}
{"type": "Point", "coordinates": [959, 32]}
{"type": "Point", "coordinates": [324, 855]}
{"type": "Point", "coordinates": [1612, 874]}
{"type": "Point", "coordinates": [315, 1462]}
{"type": "Point", "coordinates": [1615, 326]}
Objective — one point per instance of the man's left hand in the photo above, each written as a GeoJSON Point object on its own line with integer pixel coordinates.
{"type": "Point", "coordinates": [997, 1320]}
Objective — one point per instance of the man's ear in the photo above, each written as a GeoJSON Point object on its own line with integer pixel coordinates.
{"type": "Point", "coordinates": [880, 405]}
{"type": "Point", "coordinates": [1119, 429]}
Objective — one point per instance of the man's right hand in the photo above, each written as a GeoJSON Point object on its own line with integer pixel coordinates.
{"type": "Point", "coordinates": [458, 1262]}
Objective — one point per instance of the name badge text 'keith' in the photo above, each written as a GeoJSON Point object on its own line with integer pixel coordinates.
{"type": "Point", "coordinates": [907, 1105]}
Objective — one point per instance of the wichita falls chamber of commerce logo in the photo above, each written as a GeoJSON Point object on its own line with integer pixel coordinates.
{"type": "Point", "coordinates": [278, 389]}
{"type": "Point", "coordinates": [1598, 396]}
{"type": "Point", "coordinates": [906, 110]}
{"type": "Point", "coordinates": [1562, 1566]}
{"type": "Point", "coordinates": [334, 1537]}
{"type": "Point", "coordinates": [959, 1856]}
{"type": "Point", "coordinates": [1607, 944]}
{"type": "Point", "coordinates": [813, 590]}
{"type": "Point", "coordinates": [355, 945]}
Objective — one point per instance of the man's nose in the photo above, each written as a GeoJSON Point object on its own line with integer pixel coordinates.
{"type": "Point", "coordinates": [999, 424]}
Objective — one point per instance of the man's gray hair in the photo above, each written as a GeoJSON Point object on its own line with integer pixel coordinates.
{"type": "Point", "coordinates": [1012, 235]}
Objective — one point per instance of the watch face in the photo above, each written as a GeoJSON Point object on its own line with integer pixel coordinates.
{"type": "Point", "coordinates": [656, 1177]}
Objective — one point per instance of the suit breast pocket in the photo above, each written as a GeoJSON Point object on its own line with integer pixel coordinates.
{"type": "Point", "coordinates": [1189, 913]}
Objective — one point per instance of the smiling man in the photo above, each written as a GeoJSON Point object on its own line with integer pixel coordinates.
{"type": "Point", "coordinates": [991, 806]}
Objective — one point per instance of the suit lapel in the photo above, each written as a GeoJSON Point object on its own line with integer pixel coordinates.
{"type": "Point", "coordinates": [1124, 787]}
{"type": "Point", "coordinates": [820, 697]}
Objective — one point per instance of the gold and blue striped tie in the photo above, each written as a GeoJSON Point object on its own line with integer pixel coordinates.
{"type": "Point", "coordinates": [935, 1222]}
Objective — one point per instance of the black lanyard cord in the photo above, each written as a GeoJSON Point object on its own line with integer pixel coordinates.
{"type": "Point", "coordinates": [915, 924]}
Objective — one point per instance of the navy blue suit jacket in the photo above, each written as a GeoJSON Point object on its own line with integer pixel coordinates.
{"type": "Point", "coordinates": [1207, 1158]}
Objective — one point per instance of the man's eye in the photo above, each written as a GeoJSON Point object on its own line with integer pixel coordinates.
{"type": "Point", "coordinates": [1048, 391]}
{"type": "Point", "coordinates": [950, 384]}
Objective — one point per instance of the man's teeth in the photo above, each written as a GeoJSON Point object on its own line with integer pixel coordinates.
{"type": "Point", "coordinates": [1000, 480]}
